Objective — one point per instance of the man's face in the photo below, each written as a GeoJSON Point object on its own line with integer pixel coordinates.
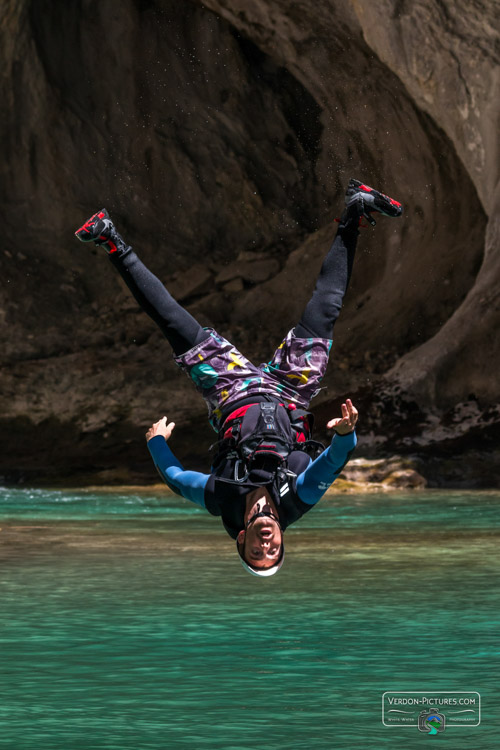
{"type": "Point", "coordinates": [262, 542]}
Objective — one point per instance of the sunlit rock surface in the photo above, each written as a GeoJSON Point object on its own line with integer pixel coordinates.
{"type": "Point", "coordinates": [220, 136]}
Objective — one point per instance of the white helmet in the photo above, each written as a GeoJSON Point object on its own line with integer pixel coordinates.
{"type": "Point", "coordinates": [260, 571]}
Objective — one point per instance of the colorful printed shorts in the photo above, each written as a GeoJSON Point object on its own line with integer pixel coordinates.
{"type": "Point", "coordinates": [223, 375]}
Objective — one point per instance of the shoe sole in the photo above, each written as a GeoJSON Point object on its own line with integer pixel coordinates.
{"type": "Point", "coordinates": [84, 234]}
{"type": "Point", "coordinates": [375, 200]}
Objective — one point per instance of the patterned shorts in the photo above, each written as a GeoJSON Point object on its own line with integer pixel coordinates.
{"type": "Point", "coordinates": [223, 375]}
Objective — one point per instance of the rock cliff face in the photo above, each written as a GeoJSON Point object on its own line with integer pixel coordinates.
{"type": "Point", "coordinates": [220, 136]}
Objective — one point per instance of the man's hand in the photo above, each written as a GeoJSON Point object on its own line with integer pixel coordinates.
{"type": "Point", "coordinates": [160, 428]}
{"type": "Point", "coordinates": [345, 424]}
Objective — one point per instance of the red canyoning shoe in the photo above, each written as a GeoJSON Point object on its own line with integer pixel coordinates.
{"type": "Point", "coordinates": [369, 200]}
{"type": "Point", "coordinates": [101, 230]}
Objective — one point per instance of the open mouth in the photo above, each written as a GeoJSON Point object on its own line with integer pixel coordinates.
{"type": "Point", "coordinates": [263, 522]}
{"type": "Point", "coordinates": [266, 532]}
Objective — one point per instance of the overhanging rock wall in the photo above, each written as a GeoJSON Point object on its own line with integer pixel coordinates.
{"type": "Point", "coordinates": [220, 137]}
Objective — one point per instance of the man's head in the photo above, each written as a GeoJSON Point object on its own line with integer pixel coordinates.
{"type": "Point", "coordinates": [260, 544]}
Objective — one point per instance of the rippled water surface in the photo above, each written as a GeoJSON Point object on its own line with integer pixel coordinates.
{"type": "Point", "coordinates": [127, 622]}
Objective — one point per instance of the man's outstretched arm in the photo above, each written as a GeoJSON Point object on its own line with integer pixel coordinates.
{"type": "Point", "coordinates": [189, 484]}
{"type": "Point", "coordinates": [321, 473]}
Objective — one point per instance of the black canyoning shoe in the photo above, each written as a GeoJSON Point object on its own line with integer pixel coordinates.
{"type": "Point", "coordinates": [101, 230]}
{"type": "Point", "coordinates": [367, 200]}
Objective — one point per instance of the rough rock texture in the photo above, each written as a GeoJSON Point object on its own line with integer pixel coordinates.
{"type": "Point", "coordinates": [220, 135]}
{"type": "Point", "coordinates": [447, 54]}
{"type": "Point", "coordinates": [392, 473]}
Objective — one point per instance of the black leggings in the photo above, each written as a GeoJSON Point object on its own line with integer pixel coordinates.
{"type": "Point", "coordinates": [324, 307]}
{"type": "Point", "coordinates": [183, 331]}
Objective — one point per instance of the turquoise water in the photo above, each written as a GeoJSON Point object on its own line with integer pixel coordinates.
{"type": "Point", "coordinates": [127, 622]}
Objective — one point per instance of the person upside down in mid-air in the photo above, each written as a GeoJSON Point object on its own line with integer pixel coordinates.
{"type": "Point", "coordinates": [267, 472]}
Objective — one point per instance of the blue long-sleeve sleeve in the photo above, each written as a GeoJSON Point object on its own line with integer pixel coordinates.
{"type": "Point", "coordinates": [324, 470]}
{"type": "Point", "coordinates": [188, 484]}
